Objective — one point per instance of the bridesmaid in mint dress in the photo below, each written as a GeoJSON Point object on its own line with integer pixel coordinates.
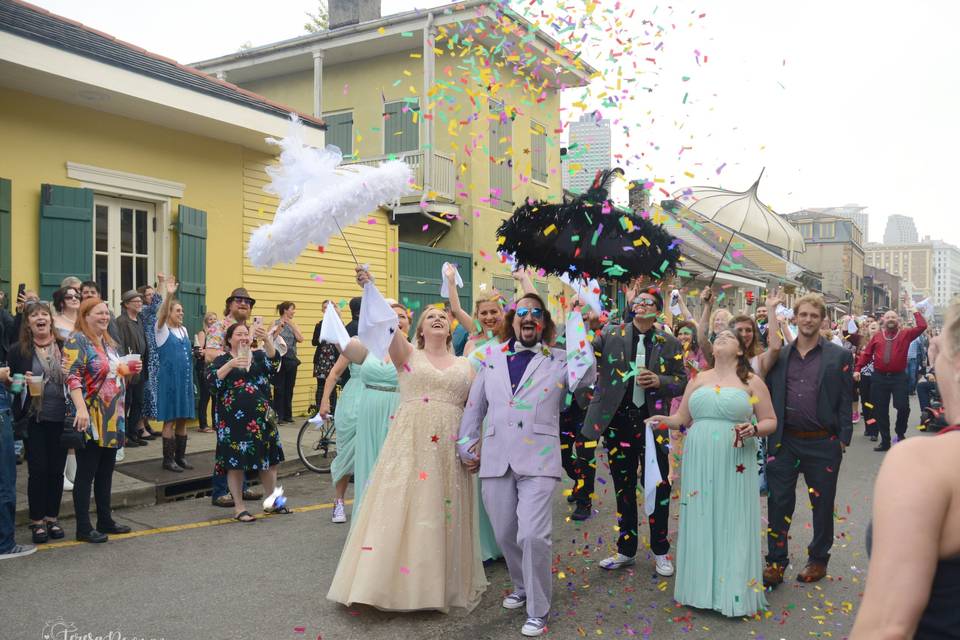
{"type": "Point", "coordinates": [345, 422]}
{"type": "Point", "coordinates": [719, 561]}
{"type": "Point", "coordinates": [375, 410]}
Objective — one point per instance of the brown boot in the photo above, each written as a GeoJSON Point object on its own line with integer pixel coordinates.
{"type": "Point", "coordinates": [773, 574]}
{"type": "Point", "coordinates": [169, 449]}
{"type": "Point", "coordinates": [181, 452]}
{"type": "Point", "coordinates": [813, 572]}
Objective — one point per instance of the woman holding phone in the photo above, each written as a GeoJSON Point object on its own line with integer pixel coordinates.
{"type": "Point", "coordinates": [246, 440]}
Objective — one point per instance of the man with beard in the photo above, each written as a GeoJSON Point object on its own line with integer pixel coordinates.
{"type": "Point", "coordinates": [640, 371]}
{"type": "Point", "coordinates": [888, 351]}
{"type": "Point", "coordinates": [761, 317]}
{"type": "Point", "coordinates": [239, 305]}
{"type": "Point", "coordinates": [811, 386]}
{"type": "Point", "coordinates": [520, 390]}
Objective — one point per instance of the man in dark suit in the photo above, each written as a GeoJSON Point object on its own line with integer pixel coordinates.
{"type": "Point", "coordinates": [640, 369]}
{"type": "Point", "coordinates": [811, 386]}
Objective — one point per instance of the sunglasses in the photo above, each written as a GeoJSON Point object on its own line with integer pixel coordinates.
{"type": "Point", "coordinates": [246, 301]}
{"type": "Point", "coordinates": [645, 302]}
{"type": "Point", "coordinates": [536, 312]}
{"type": "Point", "coordinates": [71, 296]}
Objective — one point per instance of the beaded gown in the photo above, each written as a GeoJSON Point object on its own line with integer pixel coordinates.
{"type": "Point", "coordinates": [414, 544]}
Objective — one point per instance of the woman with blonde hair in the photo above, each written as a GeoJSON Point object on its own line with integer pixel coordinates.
{"type": "Point", "coordinates": [917, 500]}
{"type": "Point", "coordinates": [95, 379]}
{"type": "Point", "coordinates": [175, 398]}
{"type": "Point", "coordinates": [487, 317]}
{"type": "Point", "coordinates": [419, 508]}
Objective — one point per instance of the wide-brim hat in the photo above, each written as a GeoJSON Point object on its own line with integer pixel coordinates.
{"type": "Point", "coordinates": [240, 292]}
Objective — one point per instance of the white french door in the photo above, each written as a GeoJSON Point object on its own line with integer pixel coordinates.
{"type": "Point", "coordinates": [123, 246]}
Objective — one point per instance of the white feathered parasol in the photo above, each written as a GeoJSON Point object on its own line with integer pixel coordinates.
{"type": "Point", "coordinates": [319, 197]}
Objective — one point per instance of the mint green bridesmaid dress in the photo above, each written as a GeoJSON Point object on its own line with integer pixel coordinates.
{"type": "Point", "coordinates": [719, 561]}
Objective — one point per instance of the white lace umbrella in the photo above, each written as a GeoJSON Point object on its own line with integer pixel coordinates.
{"type": "Point", "coordinates": [319, 197]}
{"type": "Point", "coordinates": [742, 212]}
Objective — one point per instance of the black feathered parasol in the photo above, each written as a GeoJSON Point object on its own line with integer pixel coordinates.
{"type": "Point", "coordinates": [589, 237]}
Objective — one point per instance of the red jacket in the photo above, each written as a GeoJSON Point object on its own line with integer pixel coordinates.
{"type": "Point", "coordinates": [898, 353]}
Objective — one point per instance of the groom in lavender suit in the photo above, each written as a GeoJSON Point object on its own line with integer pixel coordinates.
{"type": "Point", "coordinates": [521, 389]}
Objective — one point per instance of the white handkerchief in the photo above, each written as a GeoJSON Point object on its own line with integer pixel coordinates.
{"type": "Point", "coordinates": [651, 473]}
{"type": "Point", "coordinates": [444, 285]}
{"type": "Point", "coordinates": [378, 321]}
{"type": "Point", "coordinates": [332, 329]}
{"type": "Point", "coordinates": [589, 292]}
{"type": "Point", "coordinates": [925, 307]}
{"type": "Point", "coordinates": [579, 350]}
{"type": "Point", "coordinates": [851, 326]}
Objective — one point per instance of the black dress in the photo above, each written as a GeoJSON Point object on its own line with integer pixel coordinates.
{"type": "Point", "coordinates": [245, 440]}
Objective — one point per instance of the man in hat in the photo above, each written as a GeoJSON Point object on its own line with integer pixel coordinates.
{"type": "Point", "coordinates": [238, 307]}
{"type": "Point", "coordinates": [133, 339]}
{"type": "Point", "coordinates": [639, 372]}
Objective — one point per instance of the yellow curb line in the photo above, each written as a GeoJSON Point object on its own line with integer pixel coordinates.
{"type": "Point", "coordinates": [184, 527]}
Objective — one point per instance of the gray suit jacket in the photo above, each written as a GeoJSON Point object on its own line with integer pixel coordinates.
{"type": "Point", "coordinates": [612, 347]}
{"type": "Point", "coordinates": [523, 428]}
{"type": "Point", "coordinates": [834, 398]}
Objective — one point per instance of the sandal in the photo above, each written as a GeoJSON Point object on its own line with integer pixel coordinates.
{"type": "Point", "coordinates": [205, 430]}
{"type": "Point", "coordinates": [244, 517]}
{"type": "Point", "coordinates": [39, 533]}
{"type": "Point", "coordinates": [54, 529]}
{"type": "Point", "coordinates": [280, 510]}
{"type": "Point", "coordinates": [223, 501]}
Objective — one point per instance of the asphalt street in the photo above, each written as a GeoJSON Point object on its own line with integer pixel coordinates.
{"type": "Point", "coordinates": [187, 572]}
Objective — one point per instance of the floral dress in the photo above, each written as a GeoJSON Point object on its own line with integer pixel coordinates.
{"type": "Point", "coordinates": [93, 369]}
{"type": "Point", "coordinates": [245, 440]}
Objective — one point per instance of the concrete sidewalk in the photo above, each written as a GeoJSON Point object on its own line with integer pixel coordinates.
{"type": "Point", "coordinates": [131, 492]}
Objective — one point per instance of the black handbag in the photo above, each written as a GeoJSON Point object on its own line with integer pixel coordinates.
{"type": "Point", "coordinates": [70, 438]}
{"type": "Point", "coordinates": [21, 427]}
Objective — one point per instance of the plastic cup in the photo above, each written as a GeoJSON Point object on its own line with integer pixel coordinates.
{"type": "Point", "coordinates": [35, 385]}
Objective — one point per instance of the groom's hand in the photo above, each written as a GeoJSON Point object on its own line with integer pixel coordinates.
{"type": "Point", "coordinates": [473, 465]}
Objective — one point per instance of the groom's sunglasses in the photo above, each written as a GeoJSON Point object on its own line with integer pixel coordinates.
{"type": "Point", "coordinates": [536, 312]}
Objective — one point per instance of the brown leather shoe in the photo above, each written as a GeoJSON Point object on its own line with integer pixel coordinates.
{"type": "Point", "coordinates": [813, 572]}
{"type": "Point", "coordinates": [773, 575]}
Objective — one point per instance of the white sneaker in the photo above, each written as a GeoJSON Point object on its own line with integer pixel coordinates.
{"type": "Point", "coordinates": [534, 627]}
{"type": "Point", "coordinates": [67, 485]}
{"type": "Point", "coordinates": [338, 513]}
{"type": "Point", "coordinates": [616, 561]}
{"type": "Point", "coordinates": [120, 454]}
{"type": "Point", "coordinates": [18, 551]}
{"type": "Point", "coordinates": [664, 566]}
{"type": "Point", "coordinates": [514, 601]}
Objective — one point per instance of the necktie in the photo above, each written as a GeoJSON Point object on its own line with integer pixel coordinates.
{"type": "Point", "coordinates": [887, 350]}
{"type": "Point", "coordinates": [639, 393]}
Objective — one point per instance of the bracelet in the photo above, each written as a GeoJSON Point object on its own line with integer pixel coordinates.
{"type": "Point", "coordinates": [756, 431]}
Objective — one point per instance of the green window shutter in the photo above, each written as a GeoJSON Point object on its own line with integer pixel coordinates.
{"type": "Point", "coordinates": [192, 265]}
{"type": "Point", "coordinates": [340, 131]}
{"type": "Point", "coordinates": [420, 273]}
{"type": "Point", "coordinates": [501, 165]}
{"type": "Point", "coordinates": [5, 257]}
{"type": "Point", "coordinates": [66, 236]}
{"type": "Point", "coordinates": [400, 132]}
{"type": "Point", "coordinates": [538, 151]}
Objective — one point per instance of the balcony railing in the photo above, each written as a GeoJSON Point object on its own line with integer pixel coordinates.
{"type": "Point", "coordinates": [442, 174]}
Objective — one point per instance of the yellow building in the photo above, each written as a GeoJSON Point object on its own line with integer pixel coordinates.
{"type": "Point", "coordinates": [120, 164]}
{"type": "Point", "coordinates": [468, 96]}
{"type": "Point", "coordinates": [913, 262]}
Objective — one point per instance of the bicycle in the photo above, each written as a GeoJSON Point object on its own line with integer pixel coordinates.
{"type": "Point", "coordinates": [315, 441]}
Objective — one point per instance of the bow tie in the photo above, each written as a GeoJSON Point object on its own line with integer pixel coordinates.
{"type": "Point", "coordinates": [519, 348]}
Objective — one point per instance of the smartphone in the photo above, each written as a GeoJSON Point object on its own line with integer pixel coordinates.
{"type": "Point", "coordinates": [257, 322]}
{"type": "Point", "coordinates": [21, 289]}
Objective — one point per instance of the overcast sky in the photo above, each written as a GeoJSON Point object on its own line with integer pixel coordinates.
{"type": "Point", "coordinates": [852, 101]}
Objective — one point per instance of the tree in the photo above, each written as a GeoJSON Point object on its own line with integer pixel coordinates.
{"type": "Point", "coordinates": [320, 20]}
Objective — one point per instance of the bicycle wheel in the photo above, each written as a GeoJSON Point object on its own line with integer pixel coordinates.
{"type": "Point", "coordinates": [316, 445]}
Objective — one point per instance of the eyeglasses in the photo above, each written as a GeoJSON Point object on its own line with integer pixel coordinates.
{"type": "Point", "coordinates": [536, 312]}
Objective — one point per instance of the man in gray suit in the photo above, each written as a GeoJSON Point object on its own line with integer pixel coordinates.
{"type": "Point", "coordinates": [640, 371]}
{"type": "Point", "coordinates": [811, 386]}
{"type": "Point", "coordinates": [520, 390]}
